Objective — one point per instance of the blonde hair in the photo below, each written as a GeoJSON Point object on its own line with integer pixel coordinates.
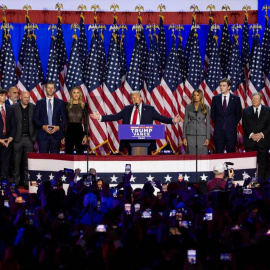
{"type": "Point", "coordinates": [80, 102]}
{"type": "Point", "coordinates": [202, 105]}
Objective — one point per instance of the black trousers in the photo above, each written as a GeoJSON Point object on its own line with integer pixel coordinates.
{"type": "Point", "coordinates": [21, 149]}
{"type": "Point", "coordinates": [5, 158]}
{"type": "Point", "coordinates": [262, 160]}
{"type": "Point", "coordinates": [222, 142]}
{"type": "Point", "coordinates": [74, 136]}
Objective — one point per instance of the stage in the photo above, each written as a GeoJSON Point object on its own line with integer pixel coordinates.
{"type": "Point", "coordinates": [164, 168]}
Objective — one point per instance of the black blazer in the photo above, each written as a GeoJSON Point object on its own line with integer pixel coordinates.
{"type": "Point", "coordinates": [18, 121]}
{"type": "Point", "coordinates": [10, 123]}
{"type": "Point", "coordinates": [148, 115]}
{"type": "Point", "coordinates": [251, 124]}
{"type": "Point", "coordinates": [231, 117]}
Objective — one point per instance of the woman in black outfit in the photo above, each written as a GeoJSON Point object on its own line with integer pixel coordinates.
{"type": "Point", "coordinates": [75, 134]}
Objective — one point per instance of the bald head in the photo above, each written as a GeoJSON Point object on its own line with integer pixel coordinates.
{"type": "Point", "coordinates": [13, 93]}
{"type": "Point", "coordinates": [25, 98]}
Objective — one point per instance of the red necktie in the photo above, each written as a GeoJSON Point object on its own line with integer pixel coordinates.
{"type": "Point", "coordinates": [4, 119]}
{"type": "Point", "coordinates": [135, 116]}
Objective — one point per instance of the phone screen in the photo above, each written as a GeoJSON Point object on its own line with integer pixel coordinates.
{"type": "Point", "coordinates": [180, 177]}
{"type": "Point", "coordinates": [101, 228]}
{"type": "Point", "coordinates": [208, 216]}
{"type": "Point", "coordinates": [225, 256]}
{"type": "Point", "coordinates": [191, 255]}
{"type": "Point", "coordinates": [128, 208]}
{"type": "Point", "coordinates": [127, 168]}
{"type": "Point", "coordinates": [6, 203]}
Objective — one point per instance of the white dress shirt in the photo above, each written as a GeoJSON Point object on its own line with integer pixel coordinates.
{"type": "Point", "coordinates": [227, 98]}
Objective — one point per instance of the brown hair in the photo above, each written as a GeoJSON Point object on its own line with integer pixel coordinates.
{"type": "Point", "coordinates": [202, 105]}
{"type": "Point", "coordinates": [228, 81]}
{"type": "Point", "coordinates": [80, 102]}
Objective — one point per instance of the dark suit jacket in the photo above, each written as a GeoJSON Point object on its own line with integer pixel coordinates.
{"type": "Point", "coordinates": [8, 103]}
{"type": "Point", "coordinates": [10, 123]}
{"type": "Point", "coordinates": [231, 118]}
{"type": "Point", "coordinates": [41, 118]}
{"type": "Point", "coordinates": [251, 124]}
{"type": "Point", "coordinates": [18, 121]}
{"type": "Point", "coordinates": [148, 115]}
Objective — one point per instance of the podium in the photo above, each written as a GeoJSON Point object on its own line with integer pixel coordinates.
{"type": "Point", "coordinates": [139, 136]}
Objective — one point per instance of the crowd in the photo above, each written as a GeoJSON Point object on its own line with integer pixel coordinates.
{"type": "Point", "coordinates": [95, 226]}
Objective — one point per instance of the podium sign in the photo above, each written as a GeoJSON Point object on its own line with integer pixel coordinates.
{"type": "Point", "coordinates": [141, 132]}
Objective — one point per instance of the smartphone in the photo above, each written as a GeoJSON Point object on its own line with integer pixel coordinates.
{"type": "Point", "coordinates": [172, 213]}
{"type": "Point", "coordinates": [128, 208]}
{"type": "Point", "coordinates": [147, 213]}
{"type": "Point", "coordinates": [101, 228]}
{"type": "Point", "coordinates": [179, 215]}
{"type": "Point", "coordinates": [208, 216]}
{"type": "Point", "coordinates": [128, 168]}
{"type": "Point", "coordinates": [225, 256]}
{"type": "Point", "coordinates": [137, 207]}
{"type": "Point", "coordinates": [115, 192]}
{"type": "Point", "coordinates": [191, 255]}
{"type": "Point", "coordinates": [6, 203]}
{"type": "Point", "coordinates": [247, 191]}
{"type": "Point", "coordinates": [180, 177]}
{"type": "Point", "coordinates": [184, 224]}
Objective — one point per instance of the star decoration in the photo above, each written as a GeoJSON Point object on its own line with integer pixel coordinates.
{"type": "Point", "coordinates": [168, 178]}
{"type": "Point", "coordinates": [132, 179]}
{"type": "Point", "coordinates": [150, 178]}
{"type": "Point", "coordinates": [186, 177]}
{"type": "Point", "coordinates": [63, 178]}
{"type": "Point", "coordinates": [203, 177]}
{"type": "Point", "coordinates": [51, 177]}
{"type": "Point", "coordinates": [245, 175]}
{"type": "Point", "coordinates": [39, 176]}
{"type": "Point", "coordinates": [113, 179]}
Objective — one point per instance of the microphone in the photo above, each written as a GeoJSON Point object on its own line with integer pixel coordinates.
{"type": "Point", "coordinates": [137, 106]}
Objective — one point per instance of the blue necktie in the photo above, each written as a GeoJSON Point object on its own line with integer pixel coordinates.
{"type": "Point", "coordinates": [50, 113]}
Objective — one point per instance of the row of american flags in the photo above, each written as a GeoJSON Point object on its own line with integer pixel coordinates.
{"type": "Point", "coordinates": [166, 82]}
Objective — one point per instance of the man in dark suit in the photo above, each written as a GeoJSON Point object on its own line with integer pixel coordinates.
{"type": "Point", "coordinates": [226, 112]}
{"type": "Point", "coordinates": [25, 136]}
{"type": "Point", "coordinates": [13, 94]}
{"type": "Point", "coordinates": [7, 133]}
{"type": "Point", "coordinates": [256, 126]}
{"type": "Point", "coordinates": [50, 119]}
{"type": "Point", "coordinates": [136, 114]}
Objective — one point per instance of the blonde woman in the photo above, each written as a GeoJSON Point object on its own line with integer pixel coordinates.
{"type": "Point", "coordinates": [75, 135]}
{"type": "Point", "coordinates": [198, 107]}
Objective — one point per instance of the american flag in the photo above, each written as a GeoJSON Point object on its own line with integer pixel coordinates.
{"type": "Point", "coordinates": [113, 101]}
{"type": "Point", "coordinates": [83, 52]}
{"type": "Point", "coordinates": [2, 54]}
{"type": "Point", "coordinates": [195, 70]}
{"type": "Point", "coordinates": [123, 60]}
{"type": "Point", "coordinates": [61, 59]}
{"type": "Point", "coordinates": [102, 58]}
{"type": "Point", "coordinates": [22, 49]}
{"type": "Point", "coordinates": [143, 46]}
{"type": "Point", "coordinates": [236, 75]}
{"type": "Point", "coordinates": [134, 80]}
{"type": "Point", "coordinates": [256, 82]}
{"type": "Point", "coordinates": [162, 43]}
{"type": "Point", "coordinates": [93, 82]}
{"type": "Point", "coordinates": [209, 45]}
{"type": "Point", "coordinates": [9, 77]}
{"type": "Point", "coordinates": [182, 59]}
{"type": "Point", "coordinates": [210, 85]}
{"type": "Point", "coordinates": [29, 79]}
{"type": "Point", "coordinates": [171, 82]}
{"type": "Point", "coordinates": [152, 81]}
{"type": "Point", "coordinates": [116, 34]}
{"type": "Point", "coordinates": [52, 68]}
{"type": "Point", "coordinates": [189, 44]}
{"type": "Point", "coordinates": [225, 48]}
{"type": "Point", "coordinates": [245, 57]}
{"type": "Point", "coordinates": [266, 60]}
